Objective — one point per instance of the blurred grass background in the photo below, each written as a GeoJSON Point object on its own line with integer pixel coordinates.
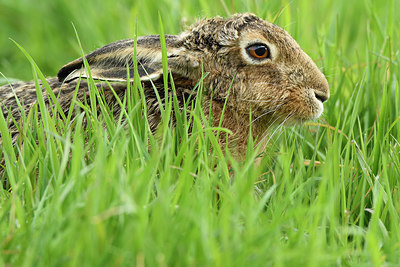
{"type": "Point", "coordinates": [44, 28]}
{"type": "Point", "coordinates": [328, 197]}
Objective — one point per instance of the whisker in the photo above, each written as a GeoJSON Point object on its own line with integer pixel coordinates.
{"type": "Point", "coordinates": [262, 115]}
{"type": "Point", "coordinates": [277, 85]}
{"type": "Point", "coordinates": [279, 127]}
{"type": "Point", "coordinates": [264, 101]}
{"type": "Point", "coordinates": [265, 133]}
{"type": "Point", "coordinates": [266, 113]}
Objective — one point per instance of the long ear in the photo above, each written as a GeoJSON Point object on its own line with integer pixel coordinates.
{"type": "Point", "coordinates": [110, 62]}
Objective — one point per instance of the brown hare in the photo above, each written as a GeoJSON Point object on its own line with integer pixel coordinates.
{"type": "Point", "coordinates": [261, 66]}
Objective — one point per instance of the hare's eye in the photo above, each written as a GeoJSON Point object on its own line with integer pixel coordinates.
{"type": "Point", "coordinates": [258, 51]}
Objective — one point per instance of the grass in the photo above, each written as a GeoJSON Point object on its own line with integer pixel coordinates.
{"type": "Point", "coordinates": [328, 194]}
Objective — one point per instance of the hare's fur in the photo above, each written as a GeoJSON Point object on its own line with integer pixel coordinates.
{"type": "Point", "coordinates": [285, 88]}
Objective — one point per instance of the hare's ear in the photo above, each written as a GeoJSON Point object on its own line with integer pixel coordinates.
{"type": "Point", "coordinates": [111, 61]}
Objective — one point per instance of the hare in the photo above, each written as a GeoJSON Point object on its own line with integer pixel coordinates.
{"type": "Point", "coordinates": [254, 66]}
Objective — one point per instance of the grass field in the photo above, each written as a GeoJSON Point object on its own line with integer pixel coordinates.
{"type": "Point", "coordinates": [326, 194]}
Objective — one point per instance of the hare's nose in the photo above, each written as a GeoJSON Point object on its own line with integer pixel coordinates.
{"type": "Point", "coordinates": [321, 90]}
{"type": "Point", "coordinates": [321, 96]}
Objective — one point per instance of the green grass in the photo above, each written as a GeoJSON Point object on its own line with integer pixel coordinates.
{"type": "Point", "coordinates": [328, 194]}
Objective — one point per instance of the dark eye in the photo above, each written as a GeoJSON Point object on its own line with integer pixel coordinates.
{"type": "Point", "coordinates": [258, 51]}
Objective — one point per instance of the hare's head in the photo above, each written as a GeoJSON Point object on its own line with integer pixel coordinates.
{"type": "Point", "coordinates": [259, 64]}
